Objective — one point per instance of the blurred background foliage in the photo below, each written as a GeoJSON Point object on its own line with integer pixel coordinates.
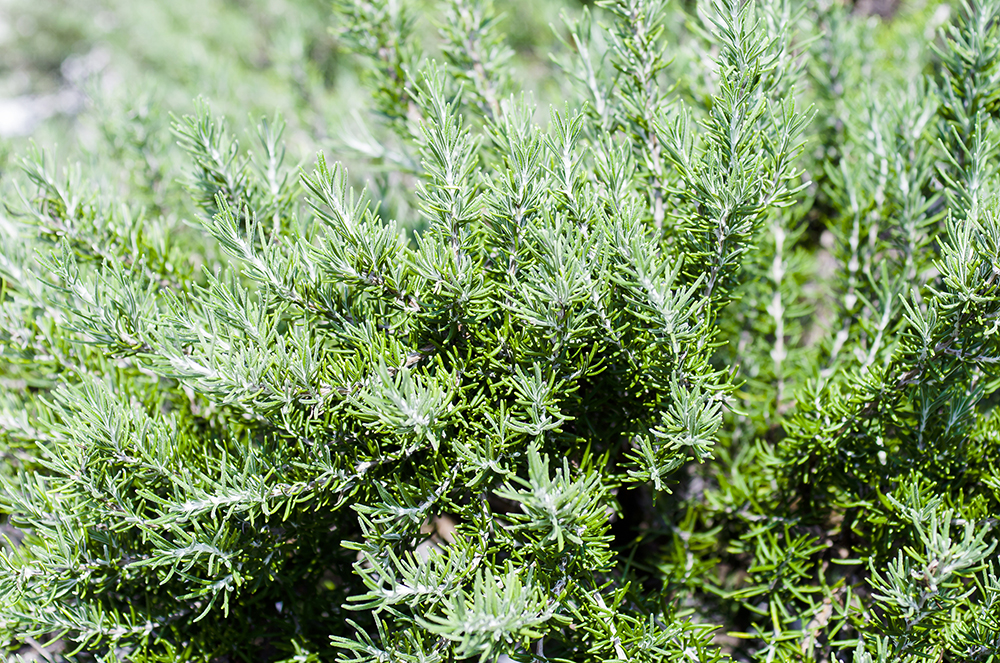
{"type": "Point", "coordinates": [65, 61]}
{"type": "Point", "coordinates": [70, 67]}
{"type": "Point", "coordinates": [97, 81]}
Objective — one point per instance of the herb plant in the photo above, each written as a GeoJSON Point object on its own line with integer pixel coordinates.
{"type": "Point", "coordinates": [698, 363]}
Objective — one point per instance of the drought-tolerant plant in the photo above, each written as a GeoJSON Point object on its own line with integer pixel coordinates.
{"type": "Point", "coordinates": [698, 364]}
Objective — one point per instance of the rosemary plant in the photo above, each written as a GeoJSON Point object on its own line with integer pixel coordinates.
{"type": "Point", "coordinates": [697, 363]}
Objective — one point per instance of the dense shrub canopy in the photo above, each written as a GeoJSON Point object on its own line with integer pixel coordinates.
{"type": "Point", "coordinates": [695, 363]}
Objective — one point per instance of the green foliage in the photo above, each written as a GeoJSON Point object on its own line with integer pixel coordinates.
{"type": "Point", "coordinates": [697, 364]}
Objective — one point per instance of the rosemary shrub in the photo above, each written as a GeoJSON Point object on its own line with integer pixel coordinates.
{"type": "Point", "coordinates": [698, 364]}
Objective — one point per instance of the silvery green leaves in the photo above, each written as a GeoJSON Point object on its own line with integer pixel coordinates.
{"type": "Point", "coordinates": [528, 303]}
{"type": "Point", "coordinates": [926, 584]}
{"type": "Point", "coordinates": [689, 428]}
{"type": "Point", "coordinates": [510, 422]}
{"type": "Point", "coordinates": [560, 516]}
{"type": "Point", "coordinates": [140, 500]}
{"type": "Point", "coordinates": [407, 379]}
{"type": "Point", "coordinates": [739, 165]}
{"type": "Point", "coordinates": [497, 614]}
{"type": "Point", "coordinates": [358, 250]}
{"type": "Point", "coordinates": [260, 180]}
{"type": "Point", "coordinates": [382, 32]}
{"type": "Point", "coordinates": [637, 51]}
{"type": "Point", "coordinates": [401, 404]}
{"type": "Point", "coordinates": [477, 54]}
{"type": "Point", "coordinates": [910, 372]}
{"type": "Point", "coordinates": [970, 56]}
